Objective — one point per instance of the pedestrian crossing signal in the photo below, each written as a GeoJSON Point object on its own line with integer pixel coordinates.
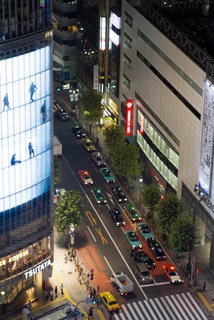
{"type": "Point", "coordinates": [58, 89]}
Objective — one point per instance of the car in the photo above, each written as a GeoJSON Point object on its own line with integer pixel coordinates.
{"type": "Point", "coordinates": [119, 194]}
{"type": "Point", "coordinates": [171, 273]}
{"type": "Point", "coordinates": [98, 159]}
{"type": "Point", "coordinates": [107, 175]}
{"type": "Point", "coordinates": [88, 145]}
{"type": "Point", "coordinates": [156, 249]}
{"type": "Point", "coordinates": [137, 254]}
{"type": "Point", "coordinates": [78, 132]}
{"type": "Point", "coordinates": [117, 217]}
{"type": "Point", "coordinates": [85, 177]}
{"type": "Point", "coordinates": [133, 239]}
{"type": "Point", "coordinates": [62, 115]}
{"type": "Point", "coordinates": [132, 212]}
{"type": "Point", "coordinates": [145, 231]}
{"type": "Point", "coordinates": [99, 196]}
{"type": "Point", "coordinates": [109, 301]}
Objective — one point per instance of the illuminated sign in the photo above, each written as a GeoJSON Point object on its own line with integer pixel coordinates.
{"type": "Point", "coordinates": [14, 258]}
{"type": "Point", "coordinates": [115, 38]}
{"type": "Point", "coordinates": [129, 106]}
{"type": "Point", "coordinates": [115, 20]}
{"type": "Point", "coordinates": [37, 269]}
{"type": "Point", "coordinates": [206, 157]}
{"type": "Point", "coordinates": [25, 122]}
{"type": "Point", "coordinates": [204, 198]}
{"type": "Point", "coordinates": [102, 33]}
{"type": "Point", "coordinates": [141, 123]}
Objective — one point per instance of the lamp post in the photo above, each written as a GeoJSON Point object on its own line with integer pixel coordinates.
{"type": "Point", "coordinates": [141, 184]}
{"type": "Point", "coordinates": [71, 232]}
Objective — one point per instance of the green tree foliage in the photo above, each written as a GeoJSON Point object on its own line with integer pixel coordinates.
{"type": "Point", "coordinates": [114, 138]}
{"type": "Point", "coordinates": [150, 197]}
{"type": "Point", "coordinates": [183, 235]}
{"type": "Point", "coordinates": [57, 170]}
{"type": "Point", "coordinates": [168, 211]}
{"type": "Point", "coordinates": [126, 161]}
{"type": "Point", "coordinates": [91, 102]}
{"type": "Point", "coordinates": [68, 211]}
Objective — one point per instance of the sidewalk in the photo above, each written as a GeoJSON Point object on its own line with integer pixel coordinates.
{"type": "Point", "coordinates": [205, 274]}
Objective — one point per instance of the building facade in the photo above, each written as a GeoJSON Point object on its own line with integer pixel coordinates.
{"type": "Point", "coordinates": [65, 32]}
{"type": "Point", "coordinates": [170, 83]}
{"type": "Point", "coordinates": [26, 223]}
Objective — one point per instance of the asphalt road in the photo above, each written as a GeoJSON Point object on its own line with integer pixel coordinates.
{"type": "Point", "coordinates": [107, 241]}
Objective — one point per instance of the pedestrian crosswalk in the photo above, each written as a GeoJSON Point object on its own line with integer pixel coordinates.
{"type": "Point", "coordinates": [175, 307]}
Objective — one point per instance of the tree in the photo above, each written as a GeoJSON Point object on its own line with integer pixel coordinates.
{"type": "Point", "coordinates": [114, 138]}
{"type": "Point", "coordinates": [184, 234]}
{"type": "Point", "coordinates": [126, 161]}
{"type": "Point", "coordinates": [150, 197]}
{"type": "Point", "coordinates": [168, 211]}
{"type": "Point", "coordinates": [57, 170]}
{"type": "Point", "coordinates": [91, 102]}
{"type": "Point", "coordinates": [68, 211]}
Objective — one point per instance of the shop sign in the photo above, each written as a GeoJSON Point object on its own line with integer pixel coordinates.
{"type": "Point", "coordinates": [14, 257]}
{"type": "Point", "coordinates": [129, 106]}
{"type": "Point", "coordinates": [37, 269]}
{"type": "Point", "coordinates": [204, 197]}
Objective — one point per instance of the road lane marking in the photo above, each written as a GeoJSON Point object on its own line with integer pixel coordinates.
{"type": "Point", "coordinates": [91, 234]}
{"type": "Point", "coordinates": [110, 197]}
{"type": "Point", "coordinates": [118, 250]}
{"type": "Point", "coordinates": [108, 264]}
{"type": "Point", "coordinates": [204, 300]}
{"type": "Point", "coordinates": [91, 218]}
{"type": "Point", "coordinates": [101, 235]}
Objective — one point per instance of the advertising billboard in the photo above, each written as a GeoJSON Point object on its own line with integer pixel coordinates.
{"type": "Point", "coordinates": [25, 127]}
{"type": "Point", "coordinates": [129, 106]}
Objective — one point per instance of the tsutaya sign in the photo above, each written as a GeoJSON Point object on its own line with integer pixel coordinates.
{"type": "Point", "coordinates": [204, 197]}
{"type": "Point", "coordinates": [129, 106]}
{"type": "Point", "coordinates": [37, 269]}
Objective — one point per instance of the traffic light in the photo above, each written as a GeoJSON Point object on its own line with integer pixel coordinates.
{"type": "Point", "coordinates": [58, 89]}
{"type": "Point", "coordinates": [94, 300]}
{"type": "Point", "coordinates": [92, 274]}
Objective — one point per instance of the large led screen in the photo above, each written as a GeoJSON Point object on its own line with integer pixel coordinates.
{"type": "Point", "coordinates": [25, 127]}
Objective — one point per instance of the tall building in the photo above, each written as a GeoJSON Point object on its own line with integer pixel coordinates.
{"type": "Point", "coordinates": [26, 223]}
{"type": "Point", "coordinates": [65, 32]}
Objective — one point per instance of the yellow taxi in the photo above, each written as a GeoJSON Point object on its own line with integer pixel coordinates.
{"type": "Point", "coordinates": [88, 145]}
{"type": "Point", "coordinates": [109, 301]}
{"type": "Point", "coordinates": [171, 273]}
{"type": "Point", "coordinates": [85, 177]}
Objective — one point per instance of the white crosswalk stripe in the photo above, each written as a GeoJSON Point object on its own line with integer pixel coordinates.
{"type": "Point", "coordinates": [174, 307]}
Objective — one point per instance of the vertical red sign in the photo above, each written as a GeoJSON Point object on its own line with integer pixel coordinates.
{"type": "Point", "coordinates": [129, 110]}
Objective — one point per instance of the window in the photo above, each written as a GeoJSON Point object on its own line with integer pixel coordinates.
{"type": "Point", "coordinates": [128, 19]}
{"type": "Point", "coordinates": [127, 41]}
{"type": "Point", "coordinates": [126, 82]}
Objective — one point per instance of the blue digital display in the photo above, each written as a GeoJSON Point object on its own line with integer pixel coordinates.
{"type": "Point", "coordinates": [25, 127]}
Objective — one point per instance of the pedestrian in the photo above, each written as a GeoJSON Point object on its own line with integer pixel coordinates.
{"type": "Point", "coordinates": [46, 295]}
{"type": "Point", "coordinates": [56, 291]}
{"type": "Point", "coordinates": [29, 305]}
{"type": "Point", "coordinates": [62, 291]}
{"type": "Point", "coordinates": [51, 294]}
{"type": "Point", "coordinates": [98, 289]}
{"type": "Point", "coordinates": [204, 286]}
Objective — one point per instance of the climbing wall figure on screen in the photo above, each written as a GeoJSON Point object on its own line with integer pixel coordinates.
{"type": "Point", "coordinates": [6, 102]}
{"type": "Point", "coordinates": [32, 90]}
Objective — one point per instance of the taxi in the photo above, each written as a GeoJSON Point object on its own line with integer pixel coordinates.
{"type": "Point", "coordinates": [109, 301]}
{"type": "Point", "coordinates": [85, 177]}
{"type": "Point", "coordinates": [88, 145]}
{"type": "Point", "coordinates": [171, 273]}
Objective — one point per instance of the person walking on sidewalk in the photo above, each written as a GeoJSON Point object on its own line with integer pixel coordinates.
{"type": "Point", "coordinates": [56, 291]}
{"type": "Point", "coordinates": [204, 286]}
{"type": "Point", "coordinates": [62, 291]}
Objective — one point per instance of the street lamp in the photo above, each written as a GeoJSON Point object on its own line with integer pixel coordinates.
{"type": "Point", "coordinates": [141, 184]}
{"type": "Point", "coordinates": [75, 310]}
{"type": "Point", "coordinates": [71, 232]}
